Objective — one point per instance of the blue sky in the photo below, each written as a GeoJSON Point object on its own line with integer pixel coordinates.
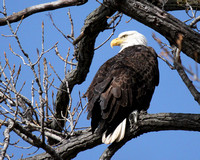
{"type": "Point", "coordinates": [170, 96]}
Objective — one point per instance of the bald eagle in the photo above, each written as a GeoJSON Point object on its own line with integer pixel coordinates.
{"type": "Point", "coordinates": [123, 85]}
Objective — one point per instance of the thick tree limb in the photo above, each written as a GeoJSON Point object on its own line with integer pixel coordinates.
{"type": "Point", "coordinates": [40, 8]}
{"type": "Point", "coordinates": [171, 5]}
{"type": "Point", "coordinates": [146, 123]}
{"type": "Point", "coordinates": [152, 123]}
{"type": "Point", "coordinates": [164, 23]}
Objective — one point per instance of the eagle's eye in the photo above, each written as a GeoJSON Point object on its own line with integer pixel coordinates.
{"type": "Point", "coordinates": [124, 36]}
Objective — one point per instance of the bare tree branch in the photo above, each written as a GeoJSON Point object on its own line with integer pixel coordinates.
{"type": "Point", "coordinates": [40, 8]}
{"type": "Point", "coordinates": [194, 22]}
{"type": "Point", "coordinates": [187, 82]}
{"type": "Point", "coordinates": [180, 4]}
{"type": "Point", "coordinates": [32, 139]}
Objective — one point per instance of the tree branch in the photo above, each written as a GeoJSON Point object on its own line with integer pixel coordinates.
{"type": "Point", "coordinates": [164, 23]}
{"type": "Point", "coordinates": [155, 122]}
{"type": "Point", "coordinates": [181, 5]}
{"type": "Point", "coordinates": [34, 140]}
{"type": "Point", "coordinates": [187, 82]}
{"type": "Point", "coordinates": [84, 140]}
{"type": "Point", "coordinates": [40, 8]}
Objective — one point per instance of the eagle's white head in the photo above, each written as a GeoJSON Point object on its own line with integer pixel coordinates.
{"type": "Point", "coordinates": [129, 38]}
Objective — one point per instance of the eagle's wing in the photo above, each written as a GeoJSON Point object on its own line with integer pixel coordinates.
{"type": "Point", "coordinates": [123, 84]}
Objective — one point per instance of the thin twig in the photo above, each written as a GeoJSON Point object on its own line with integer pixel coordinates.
{"type": "Point", "coordinates": [45, 86]}
{"type": "Point", "coordinates": [18, 56]}
{"type": "Point", "coordinates": [194, 22]}
{"type": "Point", "coordinates": [17, 75]}
{"type": "Point", "coordinates": [64, 60]}
{"type": "Point", "coordinates": [167, 62]}
{"type": "Point", "coordinates": [55, 72]}
{"type": "Point", "coordinates": [50, 16]}
{"type": "Point", "coordinates": [69, 108]}
{"type": "Point", "coordinates": [72, 25]}
{"type": "Point", "coordinates": [113, 19]}
{"type": "Point", "coordinates": [44, 53]}
{"type": "Point", "coordinates": [106, 40]}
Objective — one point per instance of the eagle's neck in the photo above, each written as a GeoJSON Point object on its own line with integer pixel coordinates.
{"type": "Point", "coordinates": [133, 42]}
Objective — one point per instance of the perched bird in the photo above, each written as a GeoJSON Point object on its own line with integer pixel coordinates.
{"type": "Point", "coordinates": [123, 85]}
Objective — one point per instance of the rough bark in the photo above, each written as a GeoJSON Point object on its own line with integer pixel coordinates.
{"type": "Point", "coordinates": [84, 140]}
{"type": "Point", "coordinates": [172, 5]}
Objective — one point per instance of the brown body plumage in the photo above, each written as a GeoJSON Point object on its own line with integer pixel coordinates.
{"type": "Point", "coordinates": [123, 84]}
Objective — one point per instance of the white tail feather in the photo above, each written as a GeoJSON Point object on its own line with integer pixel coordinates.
{"type": "Point", "coordinates": [123, 129]}
{"type": "Point", "coordinates": [117, 135]}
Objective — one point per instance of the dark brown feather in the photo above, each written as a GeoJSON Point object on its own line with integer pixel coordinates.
{"type": "Point", "coordinates": [123, 84]}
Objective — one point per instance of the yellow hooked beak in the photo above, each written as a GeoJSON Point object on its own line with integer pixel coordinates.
{"type": "Point", "coordinates": [116, 42]}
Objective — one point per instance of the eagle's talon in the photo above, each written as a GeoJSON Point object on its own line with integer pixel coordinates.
{"type": "Point", "coordinates": [133, 118]}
